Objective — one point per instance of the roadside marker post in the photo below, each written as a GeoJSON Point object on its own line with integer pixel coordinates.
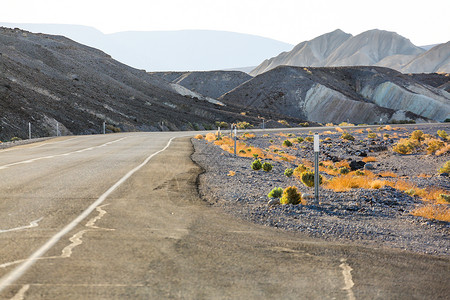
{"type": "Point", "coordinates": [104, 127]}
{"type": "Point", "coordinates": [29, 130]}
{"type": "Point", "coordinates": [316, 168]}
{"type": "Point", "coordinates": [235, 139]}
{"type": "Point", "coordinates": [57, 129]}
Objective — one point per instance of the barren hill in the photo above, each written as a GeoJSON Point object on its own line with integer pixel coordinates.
{"type": "Point", "coordinates": [211, 84]}
{"type": "Point", "coordinates": [437, 59]}
{"type": "Point", "coordinates": [355, 94]}
{"type": "Point", "coordinates": [48, 79]}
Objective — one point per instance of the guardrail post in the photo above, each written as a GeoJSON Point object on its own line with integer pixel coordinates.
{"type": "Point", "coordinates": [235, 139]}
{"type": "Point", "coordinates": [29, 130]}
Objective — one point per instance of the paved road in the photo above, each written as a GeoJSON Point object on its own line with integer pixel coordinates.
{"type": "Point", "coordinates": [75, 223]}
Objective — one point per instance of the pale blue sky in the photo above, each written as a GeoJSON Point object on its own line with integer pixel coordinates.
{"type": "Point", "coordinates": [292, 21]}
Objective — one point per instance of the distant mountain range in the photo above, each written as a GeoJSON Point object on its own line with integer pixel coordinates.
{"type": "Point", "coordinates": [370, 48]}
{"type": "Point", "coordinates": [187, 50]}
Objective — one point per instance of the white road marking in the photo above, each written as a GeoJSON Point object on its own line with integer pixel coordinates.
{"type": "Point", "coordinates": [21, 293]}
{"type": "Point", "coordinates": [348, 281]}
{"type": "Point", "coordinates": [45, 144]}
{"type": "Point", "coordinates": [59, 155]}
{"type": "Point", "coordinates": [15, 274]}
{"type": "Point", "coordinates": [32, 224]}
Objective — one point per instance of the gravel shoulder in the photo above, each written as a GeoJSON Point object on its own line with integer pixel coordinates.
{"type": "Point", "coordinates": [379, 218]}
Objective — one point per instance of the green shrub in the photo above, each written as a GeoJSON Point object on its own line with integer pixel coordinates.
{"type": "Point", "coordinates": [372, 135]}
{"type": "Point", "coordinates": [344, 170]}
{"type": "Point", "coordinates": [300, 139]}
{"type": "Point", "coordinates": [275, 193]}
{"type": "Point", "coordinates": [307, 178]}
{"type": "Point", "coordinates": [405, 146]}
{"type": "Point", "coordinates": [284, 122]}
{"type": "Point", "coordinates": [434, 146]}
{"type": "Point", "coordinates": [290, 196]}
{"type": "Point", "coordinates": [288, 172]}
{"type": "Point", "coordinates": [256, 165]}
{"type": "Point", "coordinates": [442, 134]}
{"type": "Point", "coordinates": [417, 135]}
{"type": "Point", "coordinates": [222, 125]}
{"type": "Point", "coordinates": [242, 151]}
{"type": "Point", "coordinates": [445, 197]}
{"type": "Point", "coordinates": [347, 136]}
{"type": "Point", "coordinates": [255, 155]}
{"type": "Point", "coordinates": [287, 143]}
{"type": "Point", "coordinates": [15, 139]}
{"type": "Point", "coordinates": [309, 139]}
{"type": "Point", "coordinates": [445, 168]}
{"type": "Point", "coordinates": [243, 125]}
{"type": "Point", "coordinates": [305, 124]}
{"type": "Point", "coordinates": [300, 169]}
{"type": "Point", "coordinates": [359, 173]}
{"type": "Point", "coordinates": [267, 166]}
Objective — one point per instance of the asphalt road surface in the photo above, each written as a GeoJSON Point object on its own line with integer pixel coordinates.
{"type": "Point", "coordinates": [118, 217]}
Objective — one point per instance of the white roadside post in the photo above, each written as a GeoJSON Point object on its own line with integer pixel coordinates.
{"type": "Point", "coordinates": [104, 127]}
{"type": "Point", "coordinates": [235, 139]}
{"type": "Point", "coordinates": [218, 133]}
{"type": "Point", "coordinates": [57, 128]}
{"type": "Point", "coordinates": [29, 130]}
{"type": "Point", "coordinates": [316, 168]}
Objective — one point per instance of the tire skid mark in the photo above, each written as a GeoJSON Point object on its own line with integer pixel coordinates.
{"type": "Point", "coordinates": [60, 155]}
{"type": "Point", "coordinates": [348, 281]}
{"type": "Point", "coordinates": [75, 240]}
{"type": "Point", "coordinates": [34, 223]}
{"type": "Point", "coordinates": [21, 293]}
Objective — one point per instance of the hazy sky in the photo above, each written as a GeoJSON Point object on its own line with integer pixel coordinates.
{"type": "Point", "coordinates": [293, 21]}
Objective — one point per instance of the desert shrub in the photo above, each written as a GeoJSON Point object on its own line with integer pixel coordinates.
{"type": "Point", "coordinates": [445, 197]}
{"type": "Point", "coordinates": [290, 196]}
{"type": "Point", "coordinates": [417, 135]}
{"type": "Point", "coordinates": [309, 139]}
{"type": "Point", "coordinates": [377, 184]}
{"type": "Point", "coordinates": [113, 128]}
{"type": "Point", "coordinates": [299, 139]}
{"type": "Point", "coordinates": [249, 150]}
{"type": "Point", "coordinates": [445, 168]}
{"type": "Point", "coordinates": [347, 136]}
{"type": "Point", "coordinates": [243, 125]}
{"type": "Point", "coordinates": [231, 173]}
{"type": "Point", "coordinates": [434, 145]}
{"type": "Point", "coordinates": [288, 172]}
{"type": "Point", "coordinates": [223, 125]}
{"type": "Point", "coordinates": [284, 123]}
{"type": "Point", "coordinates": [372, 135]}
{"type": "Point", "coordinates": [267, 166]}
{"type": "Point", "coordinates": [359, 173]}
{"type": "Point", "coordinates": [242, 151]}
{"type": "Point", "coordinates": [199, 137]}
{"type": "Point", "coordinates": [403, 121]}
{"type": "Point", "coordinates": [256, 165]}
{"type": "Point", "coordinates": [305, 124]}
{"type": "Point", "coordinates": [287, 143]}
{"type": "Point", "coordinates": [300, 169]}
{"type": "Point", "coordinates": [346, 124]}
{"type": "Point", "coordinates": [386, 135]}
{"type": "Point", "coordinates": [307, 178]}
{"type": "Point", "coordinates": [255, 155]}
{"type": "Point", "coordinates": [271, 141]}
{"type": "Point", "coordinates": [442, 134]}
{"type": "Point", "coordinates": [275, 193]}
{"type": "Point", "coordinates": [405, 146]}
{"type": "Point", "coordinates": [344, 170]}
{"type": "Point", "coordinates": [15, 139]}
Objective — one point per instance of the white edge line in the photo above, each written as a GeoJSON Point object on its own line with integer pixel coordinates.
{"type": "Point", "coordinates": [15, 274]}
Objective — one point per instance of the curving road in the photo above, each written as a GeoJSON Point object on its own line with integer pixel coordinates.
{"type": "Point", "coordinates": [118, 217]}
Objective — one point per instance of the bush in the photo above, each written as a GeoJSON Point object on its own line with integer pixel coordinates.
{"type": "Point", "coordinates": [434, 146]}
{"type": "Point", "coordinates": [344, 170]}
{"type": "Point", "coordinates": [305, 124]}
{"type": "Point", "coordinates": [405, 146]}
{"type": "Point", "coordinates": [223, 125]}
{"type": "Point", "coordinates": [445, 168]}
{"type": "Point", "coordinates": [300, 169]}
{"type": "Point", "coordinates": [275, 193]}
{"type": "Point", "coordinates": [243, 125]}
{"type": "Point", "coordinates": [288, 172]}
{"type": "Point", "coordinates": [199, 137]}
{"type": "Point", "coordinates": [309, 139]}
{"type": "Point", "coordinates": [442, 134]}
{"type": "Point", "coordinates": [256, 165]}
{"type": "Point", "coordinates": [242, 151]}
{"type": "Point", "coordinates": [287, 143]}
{"type": "Point", "coordinates": [255, 155]}
{"type": "Point", "coordinates": [307, 178]}
{"type": "Point", "coordinates": [359, 173]}
{"type": "Point", "coordinates": [15, 139]}
{"type": "Point", "coordinates": [300, 139]}
{"type": "Point", "coordinates": [347, 136]}
{"type": "Point", "coordinates": [445, 197]}
{"type": "Point", "coordinates": [290, 196]}
{"type": "Point", "coordinates": [267, 166]}
{"type": "Point", "coordinates": [417, 135]}
{"type": "Point", "coordinates": [372, 135]}
{"type": "Point", "coordinates": [284, 122]}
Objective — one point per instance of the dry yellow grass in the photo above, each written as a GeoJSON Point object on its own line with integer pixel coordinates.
{"type": "Point", "coordinates": [387, 174]}
{"type": "Point", "coordinates": [348, 182]}
{"type": "Point", "coordinates": [210, 137]}
{"type": "Point", "coordinates": [433, 211]}
{"type": "Point", "coordinates": [198, 137]}
{"type": "Point", "coordinates": [231, 173]}
{"type": "Point", "coordinates": [369, 159]}
{"type": "Point", "coordinates": [339, 129]}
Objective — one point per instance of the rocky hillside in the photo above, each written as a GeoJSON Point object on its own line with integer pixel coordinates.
{"type": "Point", "coordinates": [355, 94]}
{"type": "Point", "coordinates": [211, 84]}
{"type": "Point", "coordinates": [370, 48]}
{"type": "Point", "coordinates": [47, 80]}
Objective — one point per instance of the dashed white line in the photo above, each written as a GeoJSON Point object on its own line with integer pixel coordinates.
{"type": "Point", "coordinates": [16, 273]}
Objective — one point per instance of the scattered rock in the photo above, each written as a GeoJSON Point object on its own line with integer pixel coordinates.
{"type": "Point", "coordinates": [369, 167]}
{"type": "Point", "coordinates": [357, 165]}
{"type": "Point", "coordinates": [273, 202]}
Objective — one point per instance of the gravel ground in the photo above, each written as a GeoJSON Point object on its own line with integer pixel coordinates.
{"type": "Point", "coordinates": [376, 218]}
